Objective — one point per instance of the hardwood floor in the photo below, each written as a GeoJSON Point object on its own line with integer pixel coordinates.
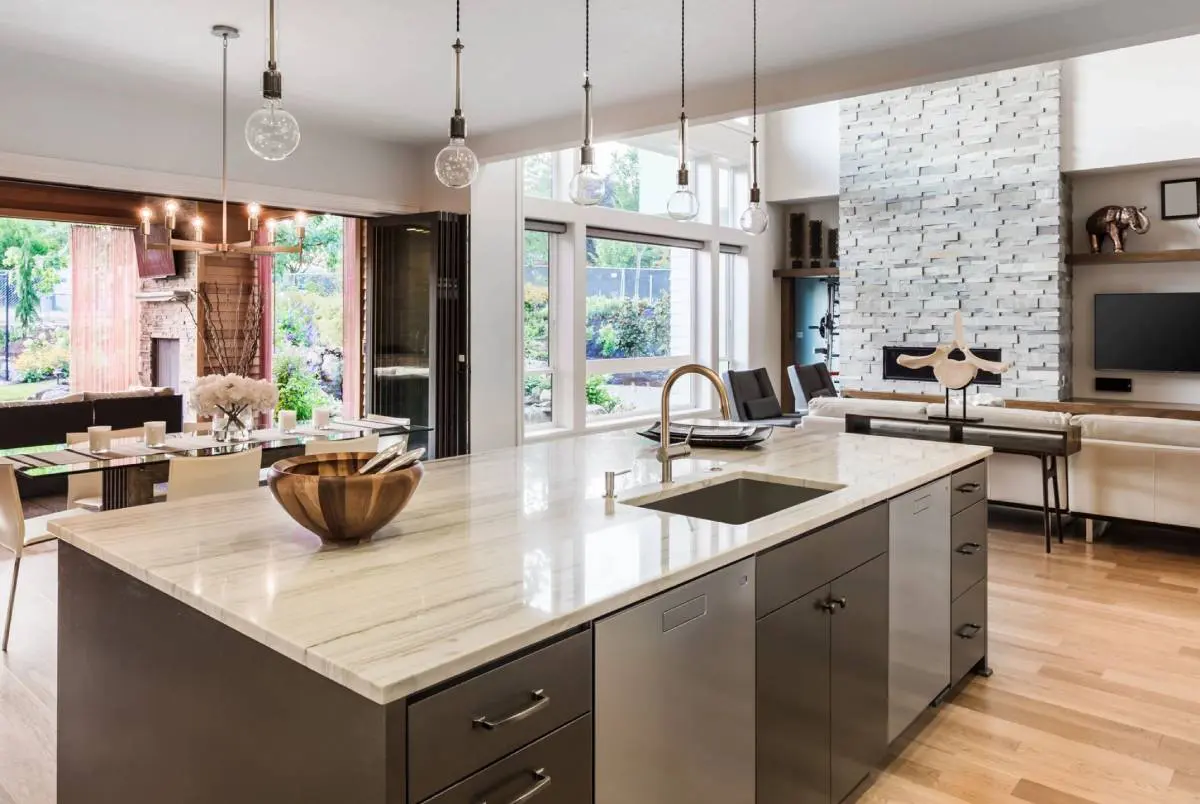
{"type": "Point", "coordinates": [1095, 698]}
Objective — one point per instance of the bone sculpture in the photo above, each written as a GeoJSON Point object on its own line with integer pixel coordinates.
{"type": "Point", "coordinates": [951, 373]}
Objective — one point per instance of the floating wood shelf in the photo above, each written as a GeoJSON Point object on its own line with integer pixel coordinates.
{"type": "Point", "coordinates": [1130, 257]}
{"type": "Point", "coordinates": [804, 273]}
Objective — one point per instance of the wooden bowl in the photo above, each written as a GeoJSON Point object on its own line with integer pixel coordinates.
{"type": "Point", "coordinates": [325, 494]}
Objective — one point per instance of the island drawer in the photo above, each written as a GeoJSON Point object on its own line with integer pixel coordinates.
{"type": "Point", "coordinates": [556, 769]}
{"type": "Point", "coordinates": [968, 486]}
{"type": "Point", "coordinates": [794, 569]}
{"type": "Point", "coordinates": [969, 540]}
{"type": "Point", "coordinates": [969, 634]}
{"type": "Point", "coordinates": [469, 725]}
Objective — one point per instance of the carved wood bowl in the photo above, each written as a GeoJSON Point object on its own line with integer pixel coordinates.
{"type": "Point", "coordinates": [324, 494]}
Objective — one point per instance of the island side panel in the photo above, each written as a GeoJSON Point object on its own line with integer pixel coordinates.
{"type": "Point", "coordinates": [159, 702]}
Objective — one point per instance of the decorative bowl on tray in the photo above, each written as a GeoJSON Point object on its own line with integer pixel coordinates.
{"type": "Point", "coordinates": [712, 433]}
{"type": "Point", "coordinates": [326, 495]}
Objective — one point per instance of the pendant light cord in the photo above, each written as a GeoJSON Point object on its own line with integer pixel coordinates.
{"type": "Point", "coordinates": [754, 117]}
{"type": "Point", "coordinates": [457, 17]}
{"type": "Point", "coordinates": [683, 55]}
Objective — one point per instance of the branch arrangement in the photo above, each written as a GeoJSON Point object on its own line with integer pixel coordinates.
{"type": "Point", "coordinates": [232, 331]}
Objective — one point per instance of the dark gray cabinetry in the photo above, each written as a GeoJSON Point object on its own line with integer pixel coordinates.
{"type": "Point", "coordinates": [474, 722]}
{"type": "Point", "coordinates": [859, 679]}
{"type": "Point", "coordinates": [674, 698]}
{"type": "Point", "coordinates": [969, 572]}
{"type": "Point", "coordinates": [822, 672]}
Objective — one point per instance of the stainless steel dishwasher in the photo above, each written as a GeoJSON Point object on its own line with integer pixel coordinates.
{"type": "Point", "coordinates": [674, 706]}
{"type": "Point", "coordinates": [918, 602]}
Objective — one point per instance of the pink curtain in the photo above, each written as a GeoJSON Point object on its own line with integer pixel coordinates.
{"type": "Point", "coordinates": [352, 304]}
{"type": "Point", "coordinates": [104, 312]}
{"type": "Point", "coordinates": [266, 289]}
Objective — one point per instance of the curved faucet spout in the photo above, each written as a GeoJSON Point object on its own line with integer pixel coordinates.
{"type": "Point", "coordinates": [666, 453]}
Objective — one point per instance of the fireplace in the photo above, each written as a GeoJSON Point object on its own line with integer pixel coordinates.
{"type": "Point", "coordinates": [164, 362]}
{"type": "Point", "coordinates": [892, 370]}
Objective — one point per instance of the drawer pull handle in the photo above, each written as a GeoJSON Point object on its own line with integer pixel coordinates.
{"type": "Point", "coordinates": [969, 488]}
{"type": "Point", "coordinates": [969, 631]}
{"type": "Point", "coordinates": [970, 548]}
{"type": "Point", "coordinates": [541, 782]}
{"type": "Point", "coordinates": [540, 701]}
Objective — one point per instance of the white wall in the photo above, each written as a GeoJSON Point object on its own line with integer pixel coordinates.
{"type": "Point", "coordinates": [1135, 106]}
{"type": "Point", "coordinates": [68, 124]}
{"type": "Point", "coordinates": [497, 223]}
{"type": "Point", "coordinates": [800, 153]}
{"type": "Point", "coordinates": [1140, 187]}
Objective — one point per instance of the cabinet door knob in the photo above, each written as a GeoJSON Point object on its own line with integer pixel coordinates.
{"type": "Point", "coordinates": [968, 631]}
{"type": "Point", "coordinates": [969, 548]}
{"type": "Point", "coordinates": [541, 782]}
{"type": "Point", "coordinates": [540, 700]}
{"type": "Point", "coordinates": [828, 606]}
{"type": "Point", "coordinates": [840, 602]}
{"type": "Point", "coordinates": [969, 488]}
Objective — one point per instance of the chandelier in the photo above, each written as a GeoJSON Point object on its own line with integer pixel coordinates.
{"type": "Point", "coordinates": [253, 211]}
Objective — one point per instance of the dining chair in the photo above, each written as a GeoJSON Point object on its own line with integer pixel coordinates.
{"type": "Point", "coordinates": [17, 533]}
{"type": "Point", "coordinates": [85, 490]}
{"type": "Point", "coordinates": [189, 477]}
{"type": "Point", "coordinates": [368, 443]}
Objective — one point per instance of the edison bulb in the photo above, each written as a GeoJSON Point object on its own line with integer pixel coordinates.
{"type": "Point", "coordinates": [683, 204]}
{"type": "Point", "coordinates": [271, 131]}
{"type": "Point", "coordinates": [587, 187]}
{"type": "Point", "coordinates": [755, 219]}
{"type": "Point", "coordinates": [456, 165]}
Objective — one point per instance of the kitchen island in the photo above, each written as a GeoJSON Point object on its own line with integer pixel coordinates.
{"type": "Point", "coordinates": [486, 647]}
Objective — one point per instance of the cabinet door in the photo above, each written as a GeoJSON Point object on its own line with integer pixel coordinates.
{"type": "Point", "coordinates": [792, 654]}
{"type": "Point", "coordinates": [858, 675]}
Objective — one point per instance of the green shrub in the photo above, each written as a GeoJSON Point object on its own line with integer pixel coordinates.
{"type": "Point", "coordinates": [43, 361]}
{"type": "Point", "coordinates": [298, 388]}
{"type": "Point", "coordinates": [535, 384]}
{"type": "Point", "coordinates": [598, 393]}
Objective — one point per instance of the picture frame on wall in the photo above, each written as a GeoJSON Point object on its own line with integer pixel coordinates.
{"type": "Point", "coordinates": [1180, 199]}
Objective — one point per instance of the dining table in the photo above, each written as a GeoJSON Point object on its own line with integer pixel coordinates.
{"type": "Point", "coordinates": [131, 467]}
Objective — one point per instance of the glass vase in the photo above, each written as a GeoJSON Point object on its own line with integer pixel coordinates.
{"type": "Point", "coordinates": [234, 426]}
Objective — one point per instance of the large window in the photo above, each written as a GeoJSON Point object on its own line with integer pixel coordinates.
{"type": "Point", "coordinates": [640, 302]}
{"type": "Point", "coordinates": [308, 362]}
{"type": "Point", "coordinates": [35, 286]}
{"type": "Point", "coordinates": [539, 370]}
{"type": "Point", "coordinates": [539, 175]}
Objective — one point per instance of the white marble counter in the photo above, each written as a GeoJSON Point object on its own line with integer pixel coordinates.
{"type": "Point", "coordinates": [497, 551]}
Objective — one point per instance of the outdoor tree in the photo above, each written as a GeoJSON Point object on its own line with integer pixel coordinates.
{"type": "Point", "coordinates": [35, 254]}
{"type": "Point", "coordinates": [322, 246]}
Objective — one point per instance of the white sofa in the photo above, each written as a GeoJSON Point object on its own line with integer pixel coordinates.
{"type": "Point", "coordinates": [1129, 467]}
{"type": "Point", "coordinates": [1013, 479]}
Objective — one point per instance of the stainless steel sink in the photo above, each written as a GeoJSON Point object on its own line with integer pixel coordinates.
{"type": "Point", "coordinates": [737, 501]}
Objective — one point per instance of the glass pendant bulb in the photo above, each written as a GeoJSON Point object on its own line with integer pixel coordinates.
{"type": "Point", "coordinates": [683, 204]}
{"type": "Point", "coordinates": [456, 165]}
{"type": "Point", "coordinates": [755, 219]}
{"type": "Point", "coordinates": [272, 132]}
{"type": "Point", "coordinates": [587, 186]}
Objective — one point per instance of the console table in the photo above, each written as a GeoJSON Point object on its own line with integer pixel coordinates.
{"type": "Point", "coordinates": [1047, 443]}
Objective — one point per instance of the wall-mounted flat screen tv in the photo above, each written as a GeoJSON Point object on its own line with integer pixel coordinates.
{"type": "Point", "coordinates": [1147, 332]}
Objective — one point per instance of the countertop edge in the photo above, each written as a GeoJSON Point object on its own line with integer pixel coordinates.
{"type": "Point", "coordinates": [384, 694]}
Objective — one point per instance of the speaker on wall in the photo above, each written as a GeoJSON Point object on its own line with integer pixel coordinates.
{"type": "Point", "coordinates": [1120, 385]}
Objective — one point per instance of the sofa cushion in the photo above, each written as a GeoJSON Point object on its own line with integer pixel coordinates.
{"type": "Point", "coordinates": [1005, 416]}
{"type": "Point", "coordinates": [92, 396]}
{"type": "Point", "coordinates": [838, 407]}
{"type": "Point", "coordinates": [1140, 430]}
{"type": "Point", "coordinates": [60, 400]}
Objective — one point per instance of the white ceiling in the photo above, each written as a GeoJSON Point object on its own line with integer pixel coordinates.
{"type": "Point", "coordinates": [383, 67]}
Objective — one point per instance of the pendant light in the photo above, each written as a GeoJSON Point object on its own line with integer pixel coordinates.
{"type": "Point", "coordinates": [271, 131]}
{"type": "Point", "coordinates": [755, 219]}
{"type": "Point", "coordinates": [456, 165]}
{"type": "Point", "coordinates": [587, 186]}
{"type": "Point", "coordinates": [683, 204]}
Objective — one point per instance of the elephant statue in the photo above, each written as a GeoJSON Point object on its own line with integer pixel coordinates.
{"type": "Point", "coordinates": [1113, 222]}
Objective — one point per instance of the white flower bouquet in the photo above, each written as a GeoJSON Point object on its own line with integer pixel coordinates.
{"type": "Point", "coordinates": [234, 398]}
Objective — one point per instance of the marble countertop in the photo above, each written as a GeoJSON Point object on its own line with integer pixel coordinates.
{"type": "Point", "coordinates": [496, 552]}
